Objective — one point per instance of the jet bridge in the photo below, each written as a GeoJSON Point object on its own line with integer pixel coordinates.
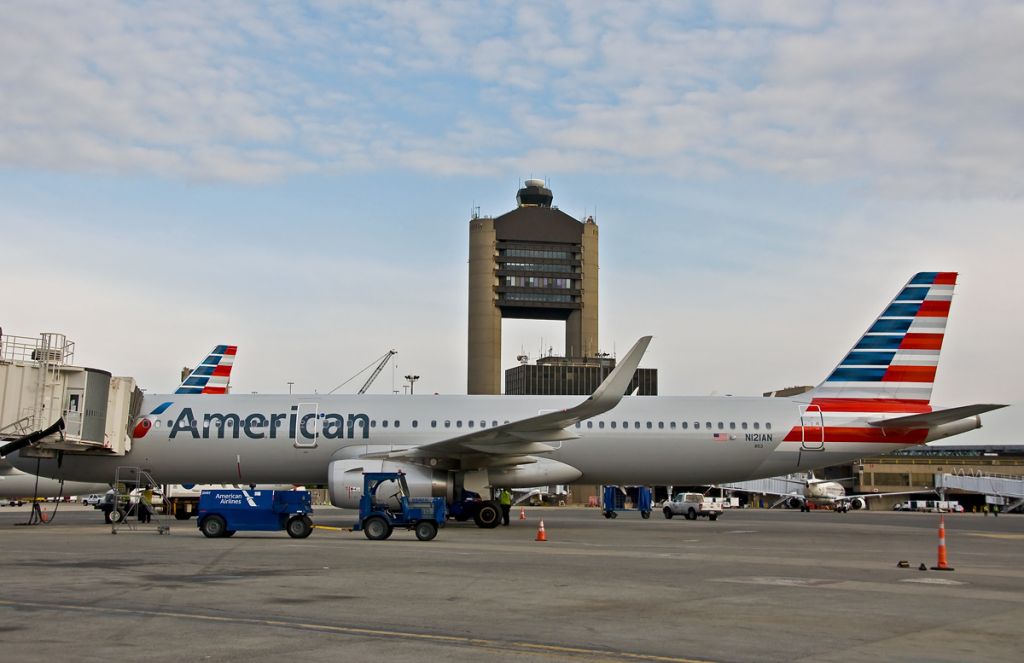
{"type": "Point", "coordinates": [1008, 487]}
{"type": "Point", "coordinates": [47, 404]}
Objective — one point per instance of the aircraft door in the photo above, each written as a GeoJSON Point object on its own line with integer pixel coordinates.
{"type": "Point", "coordinates": [812, 428]}
{"type": "Point", "coordinates": [307, 425]}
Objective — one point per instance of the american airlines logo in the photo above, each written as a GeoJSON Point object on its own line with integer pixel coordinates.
{"type": "Point", "coordinates": [259, 426]}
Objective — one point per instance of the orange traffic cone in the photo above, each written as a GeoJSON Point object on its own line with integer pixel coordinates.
{"type": "Point", "coordinates": [943, 564]}
{"type": "Point", "coordinates": [541, 536]}
{"type": "Point", "coordinates": [522, 513]}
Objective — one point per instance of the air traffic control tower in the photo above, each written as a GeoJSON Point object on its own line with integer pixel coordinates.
{"type": "Point", "coordinates": [537, 263]}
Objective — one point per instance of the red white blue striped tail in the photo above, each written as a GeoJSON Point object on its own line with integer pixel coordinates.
{"type": "Point", "coordinates": [213, 375]}
{"type": "Point", "coordinates": [897, 357]}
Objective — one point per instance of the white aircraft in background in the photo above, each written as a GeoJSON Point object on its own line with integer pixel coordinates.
{"type": "Point", "coordinates": [18, 486]}
{"type": "Point", "coordinates": [822, 493]}
{"type": "Point", "coordinates": [875, 401]}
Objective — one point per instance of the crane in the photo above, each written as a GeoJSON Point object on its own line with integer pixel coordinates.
{"type": "Point", "coordinates": [381, 362]}
{"type": "Point", "coordinates": [380, 367]}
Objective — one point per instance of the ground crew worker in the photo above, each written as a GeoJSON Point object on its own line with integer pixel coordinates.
{"type": "Point", "coordinates": [984, 509]}
{"type": "Point", "coordinates": [505, 499]}
{"type": "Point", "coordinates": [145, 505]}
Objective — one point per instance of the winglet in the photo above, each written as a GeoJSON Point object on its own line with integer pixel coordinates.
{"type": "Point", "coordinates": [610, 392]}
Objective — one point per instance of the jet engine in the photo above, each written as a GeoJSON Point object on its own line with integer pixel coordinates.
{"type": "Point", "coordinates": [795, 503]}
{"type": "Point", "coordinates": [858, 503]}
{"type": "Point", "coordinates": [345, 481]}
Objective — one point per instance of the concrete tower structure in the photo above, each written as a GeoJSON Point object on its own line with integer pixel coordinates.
{"type": "Point", "coordinates": [535, 262]}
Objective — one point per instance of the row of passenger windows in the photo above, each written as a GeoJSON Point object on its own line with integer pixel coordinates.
{"type": "Point", "coordinates": [661, 425]}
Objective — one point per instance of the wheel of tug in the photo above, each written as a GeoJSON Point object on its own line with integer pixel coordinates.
{"type": "Point", "coordinates": [488, 516]}
{"type": "Point", "coordinates": [712, 516]}
{"type": "Point", "coordinates": [668, 512]}
{"type": "Point", "coordinates": [299, 527]}
{"type": "Point", "coordinates": [426, 530]}
{"type": "Point", "coordinates": [376, 528]}
{"type": "Point", "coordinates": [213, 527]}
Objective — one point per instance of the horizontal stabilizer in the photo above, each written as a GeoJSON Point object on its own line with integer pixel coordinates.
{"type": "Point", "coordinates": [937, 417]}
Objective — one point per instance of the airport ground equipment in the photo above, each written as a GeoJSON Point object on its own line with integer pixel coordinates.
{"type": "Point", "coordinates": [615, 501]}
{"type": "Point", "coordinates": [224, 512]}
{"type": "Point", "coordinates": [692, 506]}
{"type": "Point", "coordinates": [135, 494]}
{"type": "Point", "coordinates": [381, 512]}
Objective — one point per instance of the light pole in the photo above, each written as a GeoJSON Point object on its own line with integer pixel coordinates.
{"type": "Point", "coordinates": [290, 387]}
{"type": "Point", "coordinates": [412, 383]}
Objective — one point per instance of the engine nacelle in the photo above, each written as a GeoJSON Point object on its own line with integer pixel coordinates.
{"type": "Point", "coordinates": [858, 503]}
{"type": "Point", "coordinates": [545, 472]}
{"type": "Point", "coordinates": [794, 502]}
{"type": "Point", "coordinates": [345, 481]}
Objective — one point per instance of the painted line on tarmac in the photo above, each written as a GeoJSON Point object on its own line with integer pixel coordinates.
{"type": "Point", "coordinates": [455, 640]}
{"type": "Point", "coordinates": [1011, 537]}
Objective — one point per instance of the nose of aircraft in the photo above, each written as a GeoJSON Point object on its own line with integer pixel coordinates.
{"type": "Point", "coordinates": [141, 428]}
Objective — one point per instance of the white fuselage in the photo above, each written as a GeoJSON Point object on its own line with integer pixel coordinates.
{"type": "Point", "coordinates": [293, 439]}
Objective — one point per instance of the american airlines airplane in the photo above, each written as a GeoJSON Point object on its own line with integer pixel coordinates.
{"type": "Point", "coordinates": [876, 400]}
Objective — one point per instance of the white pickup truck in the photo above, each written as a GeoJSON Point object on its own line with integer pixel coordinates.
{"type": "Point", "coordinates": [692, 506]}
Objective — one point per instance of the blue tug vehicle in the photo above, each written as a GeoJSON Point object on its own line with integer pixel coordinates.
{"type": "Point", "coordinates": [224, 512]}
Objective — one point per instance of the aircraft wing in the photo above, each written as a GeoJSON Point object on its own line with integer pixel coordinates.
{"type": "Point", "coordinates": [532, 435]}
{"type": "Point", "coordinates": [936, 417]}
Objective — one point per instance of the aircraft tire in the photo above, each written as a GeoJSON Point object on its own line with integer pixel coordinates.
{"type": "Point", "coordinates": [645, 514]}
{"type": "Point", "coordinates": [668, 513]}
{"type": "Point", "coordinates": [613, 514]}
{"type": "Point", "coordinates": [213, 527]}
{"type": "Point", "coordinates": [426, 530]}
{"type": "Point", "coordinates": [488, 516]}
{"type": "Point", "coordinates": [229, 532]}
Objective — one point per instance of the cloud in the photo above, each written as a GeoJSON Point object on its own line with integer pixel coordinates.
{"type": "Point", "coordinates": [918, 99]}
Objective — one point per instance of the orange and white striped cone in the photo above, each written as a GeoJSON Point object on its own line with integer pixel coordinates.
{"type": "Point", "coordinates": [522, 513]}
{"type": "Point", "coordinates": [943, 564]}
{"type": "Point", "coordinates": [541, 535]}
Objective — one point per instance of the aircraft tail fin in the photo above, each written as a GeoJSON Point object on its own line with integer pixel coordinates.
{"type": "Point", "coordinates": [896, 358]}
{"type": "Point", "coordinates": [213, 375]}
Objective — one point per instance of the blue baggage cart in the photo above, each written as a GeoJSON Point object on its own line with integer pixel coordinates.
{"type": "Point", "coordinates": [224, 512]}
{"type": "Point", "coordinates": [615, 501]}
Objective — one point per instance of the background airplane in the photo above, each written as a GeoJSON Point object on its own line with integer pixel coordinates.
{"type": "Point", "coordinates": [828, 493]}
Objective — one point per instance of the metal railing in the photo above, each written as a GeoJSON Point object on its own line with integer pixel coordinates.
{"type": "Point", "coordinates": [49, 348]}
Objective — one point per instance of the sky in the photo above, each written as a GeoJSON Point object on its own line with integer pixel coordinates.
{"type": "Point", "coordinates": [298, 178]}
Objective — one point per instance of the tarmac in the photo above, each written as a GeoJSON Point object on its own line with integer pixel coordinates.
{"type": "Point", "coordinates": [756, 585]}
